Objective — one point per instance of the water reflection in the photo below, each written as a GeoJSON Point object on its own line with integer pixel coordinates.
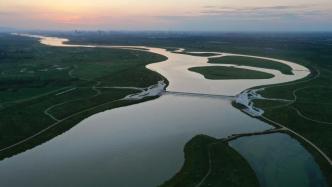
{"type": "Point", "coordinates": [279, 160]}
{"type": "Point", "coordinates": [143, 143]}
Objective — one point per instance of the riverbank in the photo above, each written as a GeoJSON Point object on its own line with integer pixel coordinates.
{"type": "Point", "coordinates": [212, 162]}
{"type": "Point", "coordinates": [52, 89]}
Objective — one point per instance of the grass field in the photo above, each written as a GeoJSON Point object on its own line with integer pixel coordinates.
{"type": "Point", "coordinates": [214, 160]}
{"type": "Point", "coordinates": [254, 62]}
{"type": "Point", "coordinates": [196, 54]}
{"type": "Point", "coordinates": [226, 73]}
{"type": "Point", "coordinates": [42, 86]}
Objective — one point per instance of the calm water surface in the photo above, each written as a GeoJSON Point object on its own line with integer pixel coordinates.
{"type": "Point", "coordinates": [142, 145]}
{"type": "Point", "coordinates": [279, 160]}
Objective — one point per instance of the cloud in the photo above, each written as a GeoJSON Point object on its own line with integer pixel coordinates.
{"type": "Point", "coordinates": [253, 13]}
{"type": "Point", "coordinates": [204, 18]}
{"type": "Point", "coordinates": [266, 11]}
{"type": "Point", "coordinates": [301, 17]}
{"type": "Point", "coordinates": [278, 7]}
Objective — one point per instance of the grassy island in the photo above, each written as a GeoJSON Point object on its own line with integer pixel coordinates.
{"type": "Point", "coordinates": [254, 62]}
{"type": "Point", "coordinates": [219, 72]}
{"type": "Point", "coordinates": [211, 162]}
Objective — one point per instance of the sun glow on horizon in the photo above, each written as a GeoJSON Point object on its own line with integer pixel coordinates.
{"type": "Point", "coordinates": [171, 14]}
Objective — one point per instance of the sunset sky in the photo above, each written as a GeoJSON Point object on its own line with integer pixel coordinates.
{"type": "Point", "coordinates": [197, 15]}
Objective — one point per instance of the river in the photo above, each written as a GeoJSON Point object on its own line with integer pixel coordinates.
{"type": "Point", "coordinates": [142, 144]}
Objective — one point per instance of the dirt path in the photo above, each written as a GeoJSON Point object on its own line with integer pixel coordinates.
{"type": "Point", "coordinates": [49, 109]}
{"type": "Point", "coordinates": [327, 158]}
{"type": "Point", "coordinates": [301, 137]}
{"type": "Point", "coordinates": [55, 124]}
{"type": "Point", "coordinates": [300, 113]}
{"type": "Point", "coordinates": [209, 170]}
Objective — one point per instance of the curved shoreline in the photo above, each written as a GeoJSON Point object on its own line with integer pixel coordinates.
{"type": "Point", "coordinates": [154, 67]}
{"type": "Point", "coordinates": [180, 78]}
{"type": "Point", "coordinates": [243, 98]}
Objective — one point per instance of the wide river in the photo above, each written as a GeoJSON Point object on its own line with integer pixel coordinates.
{"type": "Point", "coordinates": [142, 145]}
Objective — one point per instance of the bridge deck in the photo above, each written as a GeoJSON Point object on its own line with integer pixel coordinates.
{"type": "Point", "coordinates": [200, 95]}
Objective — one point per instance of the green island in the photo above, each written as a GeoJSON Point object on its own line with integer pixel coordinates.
{"type": "Point", "coordinates": [197, 54]}
{"type": "Point", "coordinates": [212, 162]}
{"type": "Point", "coordinates": [225, 73]}
{"type": "Point", "coordinates": [254, 62]}
{"type": "Point", "coordinates": [49, 87]}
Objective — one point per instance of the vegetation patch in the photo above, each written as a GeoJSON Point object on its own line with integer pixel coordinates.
{"type": "Point", "coordinates": [198, 54]}
{"type": "Point", "coordinates": [219, 72]}
{"type": "Point", "coordinates": [41, 86]}
{"type": "Point", "coordinates": [212, 162]}
{"type": "Point", "coordinates": [254, 62]}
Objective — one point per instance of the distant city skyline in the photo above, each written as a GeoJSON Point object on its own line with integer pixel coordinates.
{"type": "Point", "coordinates": [170, 15]}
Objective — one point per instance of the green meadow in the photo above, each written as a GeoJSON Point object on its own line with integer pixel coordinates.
{"type": "Point", "coordinates": [43, 87]}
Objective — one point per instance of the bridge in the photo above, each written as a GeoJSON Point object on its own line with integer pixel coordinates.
{"type": "Point", "coordinates": [228, 97]}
